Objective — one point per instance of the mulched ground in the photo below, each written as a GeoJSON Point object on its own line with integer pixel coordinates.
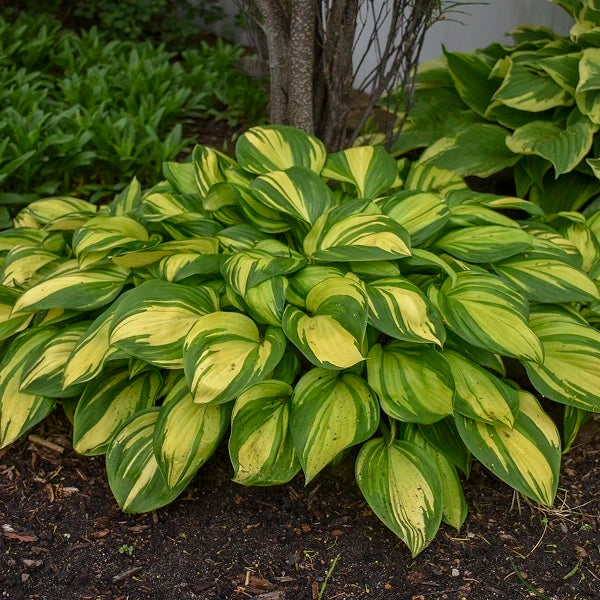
{"type": "Point", "coordinates": [62, 537]}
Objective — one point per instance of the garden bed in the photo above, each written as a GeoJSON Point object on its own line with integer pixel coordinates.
{"type": "Point", "coordinates": [66, 537]}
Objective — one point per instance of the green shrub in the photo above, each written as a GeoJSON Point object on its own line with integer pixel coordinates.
{"type": "Point", "coordinates": [534, 106]}
{"type": "Point", "coordinates": [162, 20]}
{"type": "Point", "coordinates": [306, 303]}
{"type": "Point", "coordinates": [97, 111]}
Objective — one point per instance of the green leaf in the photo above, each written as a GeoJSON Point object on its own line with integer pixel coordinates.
{"type": "Point", "coordinates": [526, 456]}
{"type": "Point", "coordinates": [573, 419]}
{"type": "Point", "coordinates": [331, 411]}
{"type": "Point", "coordinates": [565, 147]}
{"type": "Point", "coordinates": [261, 446]}
{"type": "Point", "coordinates": [402, 485]}
{"type": "Point", "coordinates": [470, 74]}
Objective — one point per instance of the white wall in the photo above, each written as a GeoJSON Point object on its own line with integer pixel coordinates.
{"type": "Point", "coordinates": [484, 23]}
{"type": "Point", "coordinates": [491, 22]}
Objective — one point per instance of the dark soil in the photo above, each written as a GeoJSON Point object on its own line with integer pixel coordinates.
{"type": "Point", "coordinates": [63, 537]}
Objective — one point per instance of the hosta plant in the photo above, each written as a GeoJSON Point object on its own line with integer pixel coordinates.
{"type": "Point", "coordinates": [533, 106]}
{"type": "Point", "coordinates": [310, 308]}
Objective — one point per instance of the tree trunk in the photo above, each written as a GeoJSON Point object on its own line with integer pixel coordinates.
{"type": "Point", "coordinates": [301, 64]}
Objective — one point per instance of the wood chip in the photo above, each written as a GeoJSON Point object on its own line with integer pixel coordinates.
{"type": "Point", "coordinates": [36, 439]}
{"type": "Point", "coordinates": [126, 574]}
{"type": "Point", "coordinates": [12, 533]}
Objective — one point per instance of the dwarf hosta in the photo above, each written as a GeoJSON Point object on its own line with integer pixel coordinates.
{"type": "Point", "coordinates": [309, 308]}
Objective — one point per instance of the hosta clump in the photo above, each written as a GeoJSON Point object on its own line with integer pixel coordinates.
{"type": "Point", "coordinates": [304, 304]}
{"type": "Point", "coordinates": [533, 106]}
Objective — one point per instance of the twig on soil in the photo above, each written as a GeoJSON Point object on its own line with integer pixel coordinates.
{"type": "Point", "coordinates": [36, 439]}
{"type": "Point", "coordinates": [126, 574]}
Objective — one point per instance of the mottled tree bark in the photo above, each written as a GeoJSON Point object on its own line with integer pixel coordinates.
{"type": "Point", "coordinates": [312, 62]}
{"type": "Point", "coordinates": [301, 61]}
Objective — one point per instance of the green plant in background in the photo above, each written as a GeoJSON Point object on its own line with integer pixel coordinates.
{"type": "Point", "coordinates": [304, 304]}
{"type": "Point", "coordinates": [534, 106]}
{"type": "Point", "coordinates": [98, 111]}
{"type": "Point", "coordinates": [164, 21]}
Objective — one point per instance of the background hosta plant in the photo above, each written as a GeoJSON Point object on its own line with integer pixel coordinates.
{"type": "Point", "coordinates": [303, 305]}
{"type": "Point", "coordinates": [533, 107]}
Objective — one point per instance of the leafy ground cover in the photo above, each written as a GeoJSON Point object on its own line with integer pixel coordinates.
{"type": "Point", "coordinates": [82, 113]}
{"type": "Point", "coordinates": [224, 541]}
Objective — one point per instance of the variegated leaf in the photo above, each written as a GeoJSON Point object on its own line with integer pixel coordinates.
{"type": "Point", "coordinates": [93, 349]}
{"type": "Point", "coordinates": [570, 373]}
{"type": "Point", "coordinates": [20, 411]}
{"type": "Point", "coordinates": [547, 279]}
{"type": "Point", "coordinates": [261, 447]}
{"type": "Point", "coordinates": [133, 474]}
{"type": "Point", "coordinates": [490, 314]}
{"type": "Point", "coordinates": [45, 375]}
{"type": "Point", "coordinates": [332, 334]}
{"type": "Point", "coordinates": [127, 201]}
{"type": "Point", "coordinates": [273, 147]}
{"type": "Point", "coordinates": [74, 288]}
{"type": "Point", "coordinates": [402, 485]}
{"type": "Point", "coordinates": [224, 354]}
{"type": "Point", "coordinates": [480, 394]}
{"type": "Point", "coordinates": [107, 403]}
{"type": "Point", "coordinates": [370, 168]}
{"type": "Point", "coordinates": [422, 214]}
{"type": "Point", "coordinates": [414, 384]}
{"type": "Point", "coordinates": [331, 411]}
{"type": "Point", "coordinates": [296, 192]}
{"type": "Point", "coordinates": [105, 234]}
{"type": "Point", "coordinates": [455, 509]}
{"type": "Point", "coordinates": [187, 434]}
{"type": "Point", "coordinates": [154, 318]}
{"type": "Point", "coordinates": [488, 243]}
{"type": "Point", "coordinates": [526, 456]}
{"type": "Point", "coordinates": [269, 258]}
{"type": "Point", "coordinates": [202, 246]}
{"type": "Point", "coordinates": [23, 262]}
{"type": "Point", "coordinates": [11, 322]}
{"type": "Point", "coordinates": [399, 309]}
{"type": "Point", "coordinates": [356, 231]}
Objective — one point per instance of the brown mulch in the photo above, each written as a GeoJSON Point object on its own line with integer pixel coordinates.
{"type": "Point", "coordinates": [62, 536]}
